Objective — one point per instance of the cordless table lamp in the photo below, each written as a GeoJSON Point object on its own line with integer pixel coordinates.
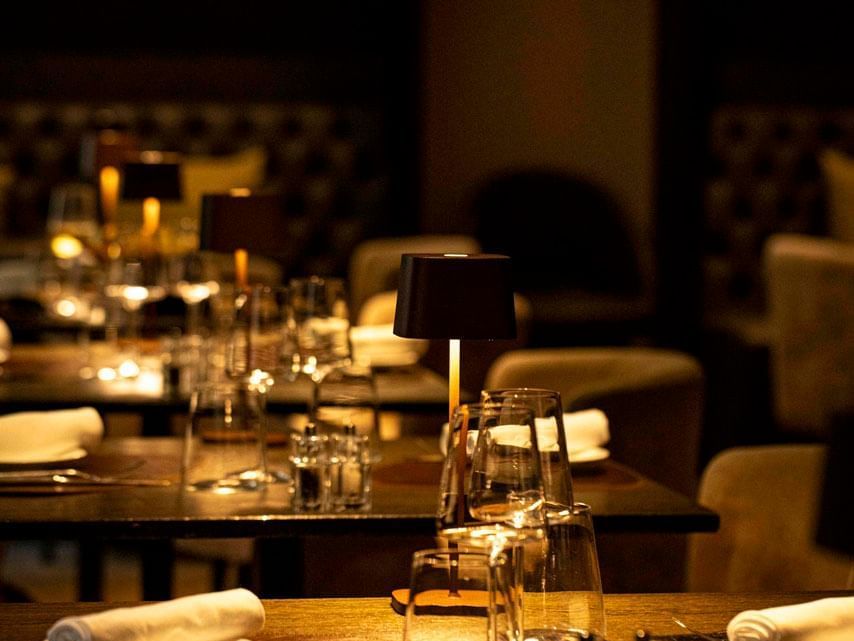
{"type": "Point", "coordinates": [454, 297]}
{"type": "Point", "coordinates": [155, 178]}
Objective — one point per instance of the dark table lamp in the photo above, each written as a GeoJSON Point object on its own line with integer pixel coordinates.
{"type": "Point", "coordinates": [156, 177]}
{"type": "Point", "coordinates": [453, 297]}
{"type": "Point", "coordinates": [240, 222]}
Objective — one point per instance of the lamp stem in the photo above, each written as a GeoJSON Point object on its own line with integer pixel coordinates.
{"type": "Point", "coordinates": [453, 377]}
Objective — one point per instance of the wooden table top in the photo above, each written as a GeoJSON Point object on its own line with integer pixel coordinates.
{"type": "Point", "coordinates": [405, 485]}
{"type": "Point", "coordinates": [362, 619]}
{"type": "Point", "coordinates": [43, 376]}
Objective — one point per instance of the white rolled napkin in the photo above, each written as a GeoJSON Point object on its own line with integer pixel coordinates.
{"type": "Point", "coordinates": [812, 621]}
{"type": "Point", "coordinates": [34, 437]}
{"type": "Point", "coordinates": [5, 341]}
{"type": "Point", "coordinates": [585, 430]}
{"type": "Point", "coordinates": [217, 616]}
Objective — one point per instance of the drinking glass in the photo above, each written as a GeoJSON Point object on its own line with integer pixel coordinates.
{"type": "Point", "coordinates": [134, 284]}
{"type": "Point", "coordinates": [320, 325]}
{"type": "Point", "coordinates": [506, 484]}
{"type": "Point", "coordinates": [257, 335]}
{"type": "Point", "coordinates": [460, 596]}
{"type": "Point", "coordinates": [562, 593]}
{"type": "Point", "coordinates": [223, 439]}
{"type": "Point", "coordinates": [551, 436]}
{"type": "Point", "coordinates": [348, 396]}
{"type": "Point", "coordinates": [72, 215]}
{"type": "Point", "coordinates": [454, 485]}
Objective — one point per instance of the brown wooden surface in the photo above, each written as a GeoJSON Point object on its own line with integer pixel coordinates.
{"type": "Point", "coordinates": [405, 494]}
{"type": "Point", "coordinates": [364, 619]}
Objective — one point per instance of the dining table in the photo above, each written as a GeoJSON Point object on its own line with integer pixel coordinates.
{"type": "Point", "coordinates": [373, 618]}
{"type": "Point", "coordinates": [404, 498]}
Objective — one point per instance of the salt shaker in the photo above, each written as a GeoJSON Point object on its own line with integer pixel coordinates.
{"type": "Point", "coordinates": [310, 470]}
{"type": "Point", "coordinates": [350, 470]}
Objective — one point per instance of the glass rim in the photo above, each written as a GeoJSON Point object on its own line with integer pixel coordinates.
{"type": "Point", "coordinates": [521, 391]}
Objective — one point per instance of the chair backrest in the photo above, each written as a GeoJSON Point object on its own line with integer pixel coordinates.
{"type": "Point", "coordinates": [375, 263]}
{"type": "Point", "coordinates": [653, 399]}
{"type": "Point", "coordinates": [767, 497]}
{"type": "Point", "coordinates": [811, 316]}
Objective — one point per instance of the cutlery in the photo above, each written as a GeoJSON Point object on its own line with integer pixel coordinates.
{"type": "Point", "coordinates": [69, 476]}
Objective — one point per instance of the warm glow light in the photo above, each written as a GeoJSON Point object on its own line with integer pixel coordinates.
{"type": "Point", "coordinates": [129, 369]}
{"type": "Point", "coordinates": [151, 157]}
{"type": "Point", "coordinates": [150, 216]}
{"type": "Point", "coordinates": [135, 293]}
{"type": "Point", "coordinates": [109, 180]}
{"type": "Point", "coordinates": [66, 246]}
{"type": "Point", "coordinates": [455, 255]}
{"type": "Point", "coordinates": [241, 268]}
{"type": "Point", "coordinates": [453, 377]}
{"type": "Point", "coordinates": [240, 192]}
{"type": "Point", "coordinates": [66, 307]}
{"type": "Point", "coordinates": [107, 374]}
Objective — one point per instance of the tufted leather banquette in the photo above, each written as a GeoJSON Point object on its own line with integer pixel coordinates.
{"type": "Point", "coordinates": [326, 161]}
{"type": "Point", "coordinates": [763, 177]}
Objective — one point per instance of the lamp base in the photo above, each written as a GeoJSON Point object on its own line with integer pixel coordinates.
{"type": "Point", "coordinates": [442, 602]}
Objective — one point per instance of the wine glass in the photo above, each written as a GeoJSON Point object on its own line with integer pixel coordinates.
{"type": "Point", "coordinates": [551, 435]}
{"type": "Point", "coordinates": [134, 284]}
{"type": "Point", "coordinates": [320, 326]}
{"type": "Point", "coordinates": [254, 353]}
{"type": "Point", "coordinates": [72, 221]}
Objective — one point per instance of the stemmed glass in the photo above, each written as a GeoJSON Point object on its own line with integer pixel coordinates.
{"type": "Point", "coordinates": [134, 283]}
{"type": "Point", "coordinates": [320, 327]}
{"type": "Point", "coordinates": [254, 353]}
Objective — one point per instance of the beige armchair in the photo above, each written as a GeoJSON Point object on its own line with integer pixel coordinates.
{"type": "Point", "coordinates": [374, 264]}
{"type": "Point", "coordinates": [767, 498]}
{"type": "Point", "coordinates": [811, 320]}
{"type": "Point", "coordinates": [654, 402]}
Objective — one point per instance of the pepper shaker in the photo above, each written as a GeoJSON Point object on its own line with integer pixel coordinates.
{"type": "Point", "coordinates": [310, 465]}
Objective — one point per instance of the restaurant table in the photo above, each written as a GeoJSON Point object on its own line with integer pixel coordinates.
{"type": "Point", "coordinates": [373, 618]}
{"type": "Point", "coordinates": [405, 483]}
{"type": "Point", "coordinates": [45, 376]}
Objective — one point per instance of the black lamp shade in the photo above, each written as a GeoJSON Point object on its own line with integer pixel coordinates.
{"type": "Point", "coordinates": [252, 222]}
{"type": "Point", "coordinates": [835, 529]}
{"type": "Point", "coordinates": [161, 180]}
{"type": "Point", "coordinates": [455, 296]}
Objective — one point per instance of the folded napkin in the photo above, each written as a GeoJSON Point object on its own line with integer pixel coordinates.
{"type": "Point", "coordinates": [813, 621]}
{"type": "Point", "coordinates": [37, 437]}
{"type": "Point", "coordinates": [5, 341]}
{"type": "Point", "coordinates": [585, 430]}
{"type": "Point", "coordinates": [379, 345]}
{"type": "Point", "coordinates": [218, 616]}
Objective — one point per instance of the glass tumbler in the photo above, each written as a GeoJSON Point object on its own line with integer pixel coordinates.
{"type": "Point", "coordinates": [461, 596]}
{"type": "Point", "coordinates": [562, 590]}
{"type": "Point", "coordinates": [223, 439]}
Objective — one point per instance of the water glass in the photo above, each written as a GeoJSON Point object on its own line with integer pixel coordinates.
{"type": "Point", "coordinates": [562, 590]}
{"type": "Point", "coordinates": [551, 434]}
{"type": "Point", "coordinates": [461, 596]}
{"type": "Point", "coordinates": [223, 446]}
